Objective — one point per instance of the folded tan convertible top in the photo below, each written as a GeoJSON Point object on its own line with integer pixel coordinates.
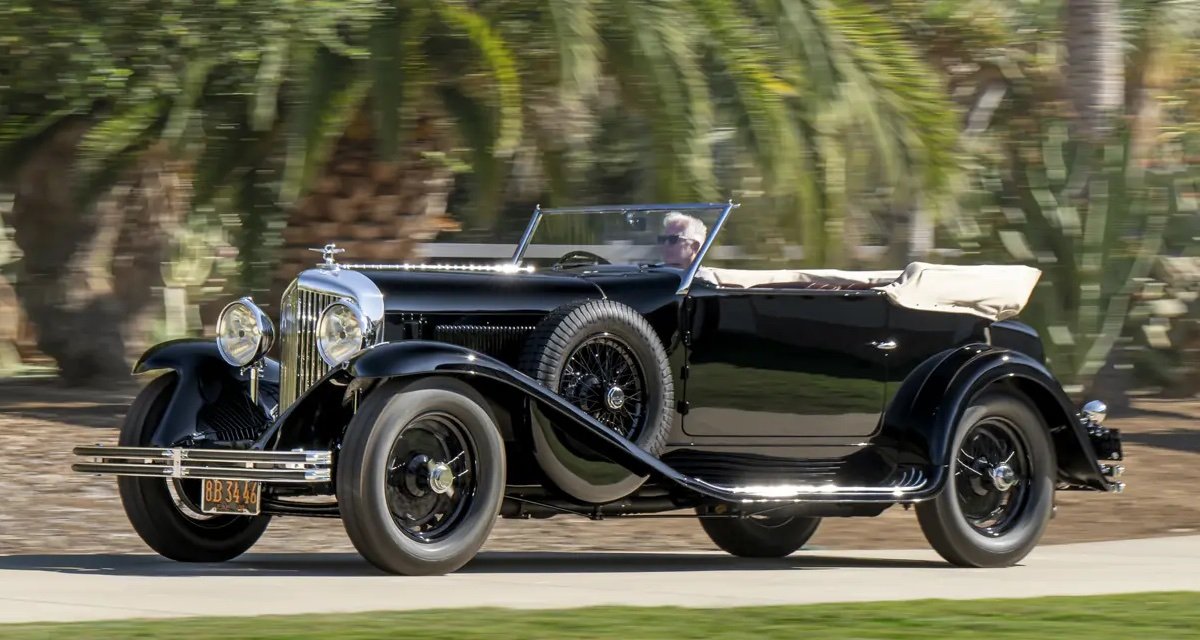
{"type": "Point", "coordinates": [995, 292]}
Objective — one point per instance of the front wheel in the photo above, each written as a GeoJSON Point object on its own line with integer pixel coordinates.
{"type": "Point", "coordinates": [760, 536]}
{"type": "Point", "coordinates": [421, 475]}
{"type": "Point", "coordinates": [165, 512]}
{"type": "Point", "coordinates": [1000, 489]}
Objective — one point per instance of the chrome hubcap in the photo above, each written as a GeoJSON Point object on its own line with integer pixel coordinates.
{"type": "Point", "coordinates": [1003, 477]}
{"type": "Point", "coordinates": [615, 398]}
{"type": "Point", "coordinates": [441, 478]}
{"type": "Point", "coordinates": [430, 477]}
{"type": "Point", "coordinates": [603, 378]}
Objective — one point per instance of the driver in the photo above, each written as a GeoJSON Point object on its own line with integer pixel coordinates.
{"type": "Point", "coordinates": [681, 239]}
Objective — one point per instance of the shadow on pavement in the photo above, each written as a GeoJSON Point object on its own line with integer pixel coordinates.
{"type": "Point", "coordinates": [490, 562]}
{"type": "Point", "coordinates": [79, 406]}
{"type": "Point", "coordinates": [1185, 440]}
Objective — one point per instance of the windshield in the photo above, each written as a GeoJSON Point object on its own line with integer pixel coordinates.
{"type": "Point", "coordinates": [662, 235]}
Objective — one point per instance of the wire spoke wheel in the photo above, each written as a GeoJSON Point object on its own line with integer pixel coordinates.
{"type": "Point", "coordinates": [602, 377]}
{"type": "Point", "coordinates": [999, 490]}
{"type": "Point", "coordinates": [431, 476]}
{"type": "Point", "coordinates": [991, 476]}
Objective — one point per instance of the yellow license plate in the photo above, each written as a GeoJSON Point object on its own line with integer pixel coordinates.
{"type": "Point", "coordinates": [240, 497]}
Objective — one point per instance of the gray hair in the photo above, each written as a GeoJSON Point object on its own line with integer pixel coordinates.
{"type": "Point", "coordinates": [693, 228]}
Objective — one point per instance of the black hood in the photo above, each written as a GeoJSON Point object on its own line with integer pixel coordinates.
{"type": "Point", "coordinates": [466, 292]}
{"type": "Point", "coordinates": [478, 292]}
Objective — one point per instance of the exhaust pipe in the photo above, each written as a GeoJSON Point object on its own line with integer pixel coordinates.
{"type": "Point", "coordinates": [224, 464]}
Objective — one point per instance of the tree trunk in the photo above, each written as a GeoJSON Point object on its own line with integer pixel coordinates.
{"type": "Point", "coordinates": [1095, 65]}
{"type": "Point", "coordinates": [87, 274]}
{"type": "Point", "coordinates": [9, 317]}
{"type": "Point", "coordinates": [377, 211]}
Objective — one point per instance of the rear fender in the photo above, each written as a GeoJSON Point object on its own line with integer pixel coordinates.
{"type": "Point", "coordinates": [920, 420]}
{"type": "Point", "coordinates": [201, 371]}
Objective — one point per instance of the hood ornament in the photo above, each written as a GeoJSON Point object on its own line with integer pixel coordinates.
{"type": "Point", "coordinates": [327, 253]}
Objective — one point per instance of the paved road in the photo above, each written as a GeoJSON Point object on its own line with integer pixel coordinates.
{"type": "Point", "coordinates": [83, 587]}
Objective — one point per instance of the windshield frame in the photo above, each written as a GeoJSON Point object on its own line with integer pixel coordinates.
{"type": "Point", "coordinates": [686, 281]}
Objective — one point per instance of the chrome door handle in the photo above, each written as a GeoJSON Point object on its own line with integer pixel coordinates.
{"type": "Point", "coordinates": [884, 345]}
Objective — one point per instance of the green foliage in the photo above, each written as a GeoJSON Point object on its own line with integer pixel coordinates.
{"type": "Point", "coordinates": [516, 77]}
{"type": "Point", "coordinates": [1095, 223]}
{"type": "Point", "coordinates": [1093, 216]}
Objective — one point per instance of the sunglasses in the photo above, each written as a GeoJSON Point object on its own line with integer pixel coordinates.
{"type": "Point", "coordinates": [672, 240]}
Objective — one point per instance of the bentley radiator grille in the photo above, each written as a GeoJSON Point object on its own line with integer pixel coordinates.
{"type": "Point", "coordinates": [300, 366]}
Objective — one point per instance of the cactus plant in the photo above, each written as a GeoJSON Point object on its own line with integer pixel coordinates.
{"type": "Point", "coordinates": [1095, 222]}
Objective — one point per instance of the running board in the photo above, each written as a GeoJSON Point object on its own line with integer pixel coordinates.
{"type": "Point", "coordinates": [912, 485]}
{"type": "Point", "coordinates": [223, 464]}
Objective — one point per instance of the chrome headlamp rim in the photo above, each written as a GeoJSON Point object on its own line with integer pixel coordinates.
{"type": "Point", "coordinates": [363, 322]}
{"type": "Point", "coordinates": [266, 332]}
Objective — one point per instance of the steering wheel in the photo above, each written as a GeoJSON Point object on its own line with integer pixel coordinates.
{"type": "Point", "coordinates": [590, 258]}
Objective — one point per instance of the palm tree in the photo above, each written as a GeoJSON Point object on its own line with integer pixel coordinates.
{"type": "Point", "coordinates": [104, 107]}
{"type": "Point", "coordinates": [1095, 78]}
{"type": "Point", "coordinates": [1071, 172]}
{"type": "Point", "coordinates": [342, 121]}
{"type": "Point", "coordinates": [678, 69]}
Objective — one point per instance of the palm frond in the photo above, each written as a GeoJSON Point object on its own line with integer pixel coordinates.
{"type": "Point", "coordinates": [501, 64]}
{"type": "Point", "coordinates": [128, 126]}
{"type": "Point", "coordinates": [476, 124]}
{"type": "Point", "coordinates": [921, 117]}
{"type": "Point", "coordinates": [578, 45]}
{"type": "Point", "coordinates": [662, 70]}
{"type": "Point", "coordinates": [334, 91]}
{"type": "Point", "coordinates": [184, 111]}
{"type": "Point", "coordinates": [386, 41]}
{"type": "Point", "coordinates": [19, 135]}
{"type": "Point", "coordinates": [761, 94]}
{"type": "Point", "coordinates": [268, 79]}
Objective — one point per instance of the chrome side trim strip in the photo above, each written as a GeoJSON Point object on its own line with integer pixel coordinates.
{"type": "Point", "coordinates": [913, 480]}
{"type": "Point", "coordinates": [490, 268]}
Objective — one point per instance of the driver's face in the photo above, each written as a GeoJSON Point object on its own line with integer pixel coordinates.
{"type": "Point", "coordinates": [677, 251]}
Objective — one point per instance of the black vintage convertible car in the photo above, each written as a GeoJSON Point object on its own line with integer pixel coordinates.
{"type": "Point", "coordinates": [618, 374]}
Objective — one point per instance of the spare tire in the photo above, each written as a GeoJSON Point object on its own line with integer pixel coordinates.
{"type": "Point", "coordinates": [603, 357]}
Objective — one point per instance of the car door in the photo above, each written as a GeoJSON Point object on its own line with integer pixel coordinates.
{"type": "Point", "coordinates": [784, 362]}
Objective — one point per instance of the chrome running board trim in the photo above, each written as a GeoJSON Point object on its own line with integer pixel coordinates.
{"type": "Point", "coordinates": [223, 464]}
{"type": "Point", "coordinates": [912, 482]}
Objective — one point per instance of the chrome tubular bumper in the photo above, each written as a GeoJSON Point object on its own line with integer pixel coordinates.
{"type": "Point", "coordinates": [225, 464]}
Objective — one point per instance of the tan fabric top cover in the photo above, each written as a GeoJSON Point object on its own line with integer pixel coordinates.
{"type": "Point", "coordinates": [995, 292]}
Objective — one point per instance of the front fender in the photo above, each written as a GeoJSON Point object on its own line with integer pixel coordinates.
{"type": "Point", "coordinates": [200, 370]}
{"type": "Point", "coordinates": [188, 353]}
{"type": "Point", "coordinates": [922, 417]}
{"type": "Point", "coordinates": [582, 457]}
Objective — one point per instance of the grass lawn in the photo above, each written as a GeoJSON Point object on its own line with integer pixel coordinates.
{"type": "Point", "coordinates": [1155, 615]}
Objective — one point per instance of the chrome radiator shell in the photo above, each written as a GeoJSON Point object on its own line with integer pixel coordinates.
{"type": "Point", "coordinates": [300, 365]}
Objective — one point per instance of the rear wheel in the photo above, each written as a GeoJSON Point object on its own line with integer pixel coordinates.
{"type": "Point", "coordinates": [1000, 493]}
{"type": "Point", "coordinates": [760, 536]}
{"type": "Point", "coordinates": [421, 475]}
{"type": "Point", "coordinates": [165, 513]}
